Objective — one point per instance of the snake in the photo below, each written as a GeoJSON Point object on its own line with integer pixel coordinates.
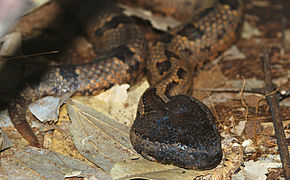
{"type": "Point", "coordinates": [171, 126]}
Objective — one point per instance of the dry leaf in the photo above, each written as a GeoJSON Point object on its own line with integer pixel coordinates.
{"type": "Point", "coordinates": [35, 4]}
{"type": "Point", "coordinates": [269, 127]}
{"type": "Point", "coordinates": [10, 44]}
{"type": "Point", "coordinates": [99, 138]}
{"type": "Point", "coordinates": [233, 54]}
{"type": "Point", "coordinates": [249, 31]}
{"type": "Point", "coordinates": [94, 134]}
{"type": "Point", "coordinates": [34, 163]}
{"type": "Point", "coordinates": [232, 161]}
{"type": "Point", "coordinates": [158, 22]}
{"type": "Point", "coordinates": [256, 170]}
{"type": "Point", "coordinates": [250, 83]}
{"type": "Point", "coordinates": [252, 100]}
{"type": "Point", "coordinates": [214, 78]}
{"type": "Point", "coordinates": [4, 141]}
{"type": "Point", "coordinates": [261, 3]}
{"type": "Point", "coordinates": [147, 169]}
{"type": "Point", "coordinates": [47, 109]}
{"type": "Point", "coordinates": [239, 129]}
{"type": "Point", "coordinates": [116, 102]}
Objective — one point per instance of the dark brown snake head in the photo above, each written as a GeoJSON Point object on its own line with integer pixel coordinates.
{"type": "Point", "coordinates": [180, 132]}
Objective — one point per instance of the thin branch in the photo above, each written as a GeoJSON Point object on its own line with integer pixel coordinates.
{"type": "Point", "coordinates": [242, 99]}
{"type": "Point", "coordinates": [273, 102]}
{"type": "Point", "coordinates": [281, 92]}
{"type": "Point", "coordinates": [28, 56]}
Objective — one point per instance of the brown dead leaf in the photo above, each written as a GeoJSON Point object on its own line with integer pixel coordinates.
{"type": "Point", "coordinates": [117, 103]}
{"type": "Point", "coordinates": [158, 22]}
{"type": "Point", "coordinates": [252, 100]}
{"type": "Point", "coordinates": [34, 163]}
{"type": "Point", "coordinates": [250, 131]}
{"type": "Point", "coordinates": [261, 3]}
{"type": "Point", "coordinates": [94, 115]}
{"type": "Point", "coordinates": [268, 128]}
{"type": "Point", "coordinates": [10, 44]}
{"type": "Point", "coordinates": [99, 138]}
{"type": "Point", "coordinates": [208, 79]}
{"type": "Point", "coordinates": [47, 109]}
{"type": "Point", "coordinates": [233, 54]}
{"type": "Point", "coordinates": [249, 31]}
{"type": "Point", "coordinates": [4, 141]}
{"type": "Point", "coordinates": [250, 83]}
{"type": "Point", "coordinates": [142, 168]}
{"type": "Point", "coordinates": [256, 170]}
{"type": "Point", "coordinates": [233, 160]}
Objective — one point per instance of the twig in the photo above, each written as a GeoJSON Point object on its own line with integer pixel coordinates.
{"type": "Point", "coordinates": [28, 56]}
{"type": "Point", "coordinates": [273, 102]}
{"type": "Point", "coordinates": [242, 99]}
{"type": "Point", "coordinates": [281, 92]}
{"type": "Point", "coordinates": [257, 109]}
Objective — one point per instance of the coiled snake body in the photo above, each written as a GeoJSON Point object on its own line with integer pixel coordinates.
{"type": "Point", "coordinates": [170, 126]}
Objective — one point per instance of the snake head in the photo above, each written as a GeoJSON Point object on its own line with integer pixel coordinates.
{"type": "Point", "coordinates": [181, 131]}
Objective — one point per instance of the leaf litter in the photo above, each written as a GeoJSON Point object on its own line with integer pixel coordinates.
{"type": "Point", "coordinates": [231, 122]}
{"type": "Point", "coordinates": [99, 138]}
{"type": "Point", "coordinates": [104, 141]}
{"type": "Point", "coordinates": [33, 163]}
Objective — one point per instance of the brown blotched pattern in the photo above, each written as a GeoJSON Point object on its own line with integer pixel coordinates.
{"type": "Point", "coordinates": [170, 127]}
{"type": "Point", "coordinates": [122, 47]}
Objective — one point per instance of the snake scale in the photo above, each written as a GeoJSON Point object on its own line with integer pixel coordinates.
{"type": "Point", "coordinates": [170, 126]}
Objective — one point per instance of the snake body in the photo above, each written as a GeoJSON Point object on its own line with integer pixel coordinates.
{"type": "Point", "coordinates": [170, 126]}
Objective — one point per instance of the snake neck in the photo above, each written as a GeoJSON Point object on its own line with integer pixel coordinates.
{"type": "Point", "coordinates": [176, 57]}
